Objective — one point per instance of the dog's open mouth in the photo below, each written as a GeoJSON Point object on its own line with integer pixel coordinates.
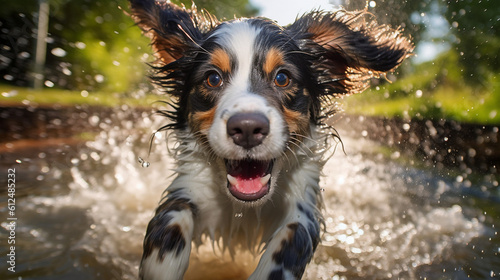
{"type": "Point", "coordinates": [249, 180]}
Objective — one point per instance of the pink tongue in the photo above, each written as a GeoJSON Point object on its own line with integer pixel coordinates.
{"type": "Point", "coordinates": [248, 186]}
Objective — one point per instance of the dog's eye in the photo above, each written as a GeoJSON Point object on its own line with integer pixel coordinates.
{"type": "Point", "coordinates": [214, 80]}
{"type": "Point", "coordinates": [282, 79]}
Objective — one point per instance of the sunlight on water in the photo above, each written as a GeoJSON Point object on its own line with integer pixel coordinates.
{"type": "Point", "coordinates": [375, 226]}
{"type": "Point", "coordinates": [113, 191]}
{"type": "Point", "coordinates": [383, 219]}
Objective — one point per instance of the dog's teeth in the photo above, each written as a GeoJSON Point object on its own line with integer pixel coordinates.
{"type": "Point", "coordinates": [233, 181]}
{"type": "Point", "coordinates": [264, 180]}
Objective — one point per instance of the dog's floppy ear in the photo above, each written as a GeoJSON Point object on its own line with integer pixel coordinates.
{"type": "Point", "coordinates": [348, 48]}
{"type": "Point", "coordinates": [172, 29]}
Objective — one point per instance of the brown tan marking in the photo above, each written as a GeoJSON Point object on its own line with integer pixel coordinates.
{"type": "Point", "coordinates": [274, 59]}
{"type": "Point", "coordinates": [221, 59]}
{"type": "Point", "coordinates": [201, 121]}
{"type": "Point", "coordinates": [297, 122]}
{"type": "Point", "coordinates": [168, 43]}
{"type": "Point", "coordinates": [167, 47]}
{"type": "Point", "coordinates": [326, 35]}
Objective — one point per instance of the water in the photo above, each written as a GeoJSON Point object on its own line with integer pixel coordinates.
{"type": "Point", "coordinates": [83, 207]}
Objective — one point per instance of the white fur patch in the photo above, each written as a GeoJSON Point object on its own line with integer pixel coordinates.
{"type": "Point", "coordinates": [172, 267]}
{"type": "Point", "coordinates": [239, 37]}
{"type": "Point", "coordinates": [237, 97]}
{"type": "Point", "coordinates": [231, 104]}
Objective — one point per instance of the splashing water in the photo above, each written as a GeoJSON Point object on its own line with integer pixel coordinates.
{"type": "Point", "coordinates": [143, 163]}
{"type": "Point", "coordinates": [383, 219]}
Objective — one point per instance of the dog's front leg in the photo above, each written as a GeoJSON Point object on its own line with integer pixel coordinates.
{"type": "Point", "coordinates": [167, 244]}
{"type": "Point", "coordinates": [290, 250]}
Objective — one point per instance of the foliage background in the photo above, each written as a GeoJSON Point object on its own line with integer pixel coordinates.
{"type": "Point", "coordinates": [94, 46]}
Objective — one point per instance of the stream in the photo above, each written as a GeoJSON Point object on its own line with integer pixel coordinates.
{"type": "Point", "coordinates": [82, 208]}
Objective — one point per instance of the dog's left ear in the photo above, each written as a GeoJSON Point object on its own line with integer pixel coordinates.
{"type": "Point", "coordinates": [172, 29]}
{"type": "Point", "coordinates": [348, 48]}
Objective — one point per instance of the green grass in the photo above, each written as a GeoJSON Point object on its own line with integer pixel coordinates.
{"type": "Point", "coordinates": [17, 96]}
{"type": "Point", "coordinates": [446, 103]}
{"type": "Point", "coordinates": [434, 90]}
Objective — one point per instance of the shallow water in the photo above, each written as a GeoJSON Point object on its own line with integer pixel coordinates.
{"type": "Point", "coordinates": [82, 210]}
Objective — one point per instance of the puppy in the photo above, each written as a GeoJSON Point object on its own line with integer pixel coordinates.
{"type": "Point", "coordinates": [249, 98]}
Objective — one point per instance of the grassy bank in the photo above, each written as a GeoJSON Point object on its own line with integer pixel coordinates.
{"type": "Point", "coordinates": [17, 96]}
{"type": "Point", "coordinates": [434, 90]}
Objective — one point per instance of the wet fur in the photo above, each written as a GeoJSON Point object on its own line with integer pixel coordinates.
{"type": "Point", "coordinates": [325, 55]}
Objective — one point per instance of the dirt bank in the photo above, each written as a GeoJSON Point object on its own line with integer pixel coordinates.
{"type": "Point", "coordinates": [40, 123]}
{"type": "Point", "coordinates": [439, 143]}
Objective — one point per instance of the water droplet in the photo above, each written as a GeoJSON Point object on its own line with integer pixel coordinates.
{"type": "Point", "coordinates": [238, 215]}
{"type": "Point", "coordinates": [143, 163]}
{"type": "Point", "coordinates": [99, 78]}
{"type": "Point", "coordinates": [356, 250]}
{"type": "Point", "coordinates": [19, 161]}
{"type": "Point", "coordinates": [80, 45]}
{"type": "Point", "coordinates": [418, 93]}
{"type": "Point", "coordinates": [58, 52]}
{"type": "Point", "coordinates": [49, 84]}
{"type": "Point", "coordinates": [8, 78]}
{"type": "Point", "coordinates": [94, 120]}
{"type": "Point", "coordinates": [126, 229]}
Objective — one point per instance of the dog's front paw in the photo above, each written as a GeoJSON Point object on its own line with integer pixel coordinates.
{"type": "Point", "coordinates": [167, 244]}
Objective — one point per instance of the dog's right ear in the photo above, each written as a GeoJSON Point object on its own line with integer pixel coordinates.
{"type": "Point", "coordinates": [172, 29]}
{"type": "Point", "coordinates": [349, 48]}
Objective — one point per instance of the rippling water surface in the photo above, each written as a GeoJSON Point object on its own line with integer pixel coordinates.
{"type": "Point", "coordinates": [83, 208]}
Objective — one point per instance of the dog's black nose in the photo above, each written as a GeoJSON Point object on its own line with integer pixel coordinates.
{"type": "Point", "coordinates": [248, 129]}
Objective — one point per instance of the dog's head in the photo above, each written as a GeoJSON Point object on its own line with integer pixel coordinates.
{"type": "Point", "coordinates": [249, 90]}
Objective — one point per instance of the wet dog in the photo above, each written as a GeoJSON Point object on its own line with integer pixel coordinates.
{"type": "Point", "coordinates": [249, 102]}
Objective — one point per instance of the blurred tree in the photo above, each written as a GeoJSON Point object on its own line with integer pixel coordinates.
{"type": "Point", "coordinates": [91, 44]}
{"type": "Point", "coordinates": [17, 40]}
{"type": "Point", "coordinates": [100, 47]}
{"type": "Point", "coordinates": [471, 28]}
{"type": "Point", "coordinates": [223, 9]}
{"type": "Point", "coordinates": [476, 25]}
